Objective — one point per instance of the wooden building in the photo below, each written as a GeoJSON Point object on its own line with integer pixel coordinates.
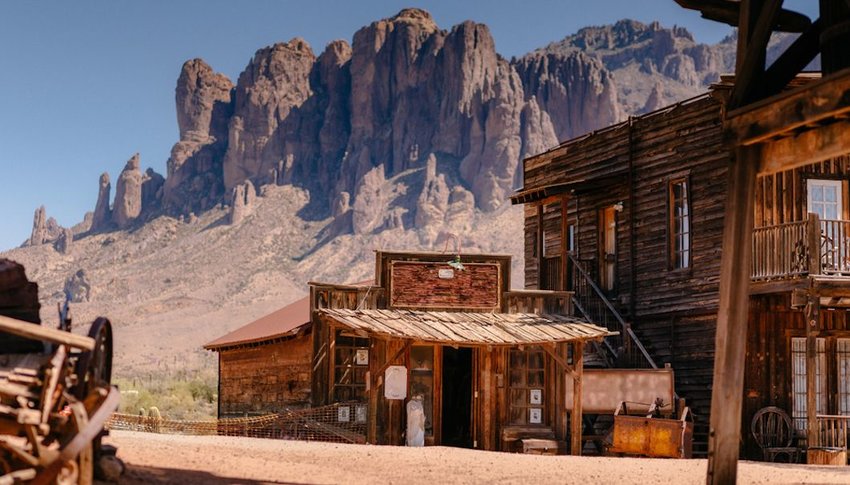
{"type": "Point", "coordinates": [631, 219]}
{"type": "Point", "coordinates": [264, 366]}
{"type": "Point", "coordinates": [491, 366]}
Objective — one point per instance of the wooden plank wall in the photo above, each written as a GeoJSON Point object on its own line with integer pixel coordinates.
{"type": "Point", "coordinates": [266, 378]}
{"type": "Point", "coordinates": [781, 196]}
{"type": "Point", "coordinates": [675, 310]}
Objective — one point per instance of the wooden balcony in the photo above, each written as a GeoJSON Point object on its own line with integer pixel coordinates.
{"type": "Point", "coordinates": [805, 248]}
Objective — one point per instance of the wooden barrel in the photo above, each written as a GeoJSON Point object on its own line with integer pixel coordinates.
{"type": "Point", "coordinates": [826, 456]}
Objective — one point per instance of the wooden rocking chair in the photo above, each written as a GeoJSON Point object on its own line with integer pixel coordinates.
{"type": "Point", "coordinates": [774, 433]}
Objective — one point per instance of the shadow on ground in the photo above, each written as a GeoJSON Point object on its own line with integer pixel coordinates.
{"type": "Point", "coordinates": [172, 476]}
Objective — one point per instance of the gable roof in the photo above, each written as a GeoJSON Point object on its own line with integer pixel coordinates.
{"type": "Point", "coordinates": [281, 323]}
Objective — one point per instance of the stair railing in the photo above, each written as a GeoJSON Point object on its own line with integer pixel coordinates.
{"type": "Point", "coordinates": [592, 303]}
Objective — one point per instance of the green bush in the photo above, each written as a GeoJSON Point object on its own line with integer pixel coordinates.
{"type": "Point", "coordinates": [178, 396]}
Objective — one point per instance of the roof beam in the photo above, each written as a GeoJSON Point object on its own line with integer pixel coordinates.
{"type": "Point", "coordinates": [757, 20]}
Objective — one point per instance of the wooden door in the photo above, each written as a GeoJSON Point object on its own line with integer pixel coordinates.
{"type": "Point", "coordinates": [608, 248]}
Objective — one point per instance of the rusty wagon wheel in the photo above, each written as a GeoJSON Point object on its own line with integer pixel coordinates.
{"type": "Point", "coordinates": [94, 369]}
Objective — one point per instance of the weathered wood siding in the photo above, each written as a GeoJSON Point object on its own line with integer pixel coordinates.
{"type": "Point", "coordinates": [674, 311]}
{"type": "Point", "coordinates": [782, 196]}
{"type": "Point", "coordinates": [265, 379]}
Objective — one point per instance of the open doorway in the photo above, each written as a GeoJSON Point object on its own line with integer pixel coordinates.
{"type": "Point", "coordinates": [457, 397]}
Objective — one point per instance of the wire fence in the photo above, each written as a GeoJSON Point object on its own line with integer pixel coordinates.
{"type": "Point", "coordinates": [336, 423]}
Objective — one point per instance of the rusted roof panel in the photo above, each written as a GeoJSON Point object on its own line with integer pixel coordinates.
{"type": "Point", "coordinates": [468, 328]}
{"type": "Point", "coordinates": [280, 323]}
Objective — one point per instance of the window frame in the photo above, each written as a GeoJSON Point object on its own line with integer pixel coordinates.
{"type": "Point", "coordinates": [673, 260]}
{"type": "Point", "coordinates": [526, 388]}
{"type": "Point", "coordinates": [357, 379]}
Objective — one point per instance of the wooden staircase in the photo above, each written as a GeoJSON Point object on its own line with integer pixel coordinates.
{"type": "Point", "coordinates": [633, 348]}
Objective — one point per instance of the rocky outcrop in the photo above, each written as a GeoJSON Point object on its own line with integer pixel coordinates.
{"type": "Point", "coordinates": [77, 288]}
{"type": "Point", "coordinates": [434, 199]}
{"type": "Point", "coordinates": [655, 100]}
{"type": "Point", "coordinates": [64, 241]}
{"type": "Point", "coordinates": [128, 194]}
{"type": "Point", "coordinates": [538, 133]}
{"type": "Point", "coordinates": [102, 216]}
{"type": "Point", "coordinates": [152, 190]}
{"type": "Point", "coordinates": [195, 179]}
{"type": "Point", "coordinates": [39, 227]}
{"type": "Point", "coordinates": [638, 56]}
{"type": "Point", "coordinates": [276, 81]}
{"type": "Point", "coordinates": [574, 90]}
{"type": "Point", "coordinates": [370, 202]}
{"type": "Point", "coordinates": [241, 202]}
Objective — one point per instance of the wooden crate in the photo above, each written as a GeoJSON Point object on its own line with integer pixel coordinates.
{"type": "Point", "coordinates": [826, 456]}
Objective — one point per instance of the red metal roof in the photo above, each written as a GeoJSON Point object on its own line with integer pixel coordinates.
{"type": "Point", "coordinates": [280, 323]}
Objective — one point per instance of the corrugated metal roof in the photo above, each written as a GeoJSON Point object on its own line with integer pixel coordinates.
{"type": "Point", "coordinates": [468, 328]}
{"type": "Point", "coordinates": [280, 323]}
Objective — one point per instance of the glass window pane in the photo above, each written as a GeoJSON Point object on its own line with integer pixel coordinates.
{"type": "Point", "coordinates": [535, 378]}
{"type": "Point", "coordinates": [817, 193]}
{"type": "Point", "coordinates": [517, 358]}
{"type": "Point", "coordinates": [829, 193]}
{"type": "Point", "coordinates": [831, 211]}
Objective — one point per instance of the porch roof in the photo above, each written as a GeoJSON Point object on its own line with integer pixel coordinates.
{"type": "Point", "coordinates": [458, 328]}
{"type": "Point", "coordinates": [526, 195]}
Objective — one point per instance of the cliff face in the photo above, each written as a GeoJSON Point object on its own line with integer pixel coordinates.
{"type": "Point", "coordinates": [409, 126]}
{"type": "Point", "coordinates": [639, 57]}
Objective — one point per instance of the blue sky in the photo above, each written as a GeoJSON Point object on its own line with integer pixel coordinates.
{"type": "Point", "coordinates": [86, 84]}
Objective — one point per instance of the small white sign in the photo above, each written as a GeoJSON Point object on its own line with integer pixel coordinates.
{"type": "Point", "coordinates": [446, 274]}
{"type": "Point", "coordinates": [535, 415]}
{"type": "Point", "coordinates": [395, 382]}
{"type": "Point", "coordinates": [343, 414]}
{"type": "Point", "coordinates": [360, 413]}
{"type": "Point", "coordinates": [361, 357]}
{"type": "Point", "coordinates": [535, 396]}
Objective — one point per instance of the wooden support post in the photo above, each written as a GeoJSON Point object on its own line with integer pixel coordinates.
{"type": "Point", "coordinates": [732, 314]}
{"type": "Point", "coordinates": [813, 242]}
{"type": "Point", "coordinates": [812, 318]}
{"type": "Point", "coordinates": [576, 417]}
{"type": "Point", "coordinates": [375, 382]}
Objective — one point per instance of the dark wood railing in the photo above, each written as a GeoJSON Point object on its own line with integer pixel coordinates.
{"type": "Point", "coordinates": [590, 301]}
{"type": "Point", "coordinates": [538, 301]}
{"type": "Point", "coordinates": [794, 249]}
{"type": "Point", "coordinates": [350, 297]}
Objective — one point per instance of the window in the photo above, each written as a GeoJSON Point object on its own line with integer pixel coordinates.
{"type": "Point", "coordinates": [351, 361]}
{"type": "Point", "coordinates": [798, 377]}
{"type": "Point", "coordinates": [824, 198]}
{"type": "Point", "coordinates": [680, 224]}
{"type": "Point", "coordinates": [842, 353]}
{"type": "Point", "coordinates": [527, 383]}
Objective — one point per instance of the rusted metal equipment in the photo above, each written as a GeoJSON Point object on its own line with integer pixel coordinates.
{"type": "Point", "coordinates": [650, 434]}
{"type": "Point", "coordinates": [55, 393]}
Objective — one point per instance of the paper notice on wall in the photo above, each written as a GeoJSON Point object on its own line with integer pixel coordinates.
{"type": "Point", "coordinates": [343, 414]}
{"type": "Point", "coordinates": [395, 382]}
{"type": "Point", "coordinates": [535, 415]}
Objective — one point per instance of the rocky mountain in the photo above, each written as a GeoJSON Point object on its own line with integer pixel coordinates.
{"type": "Point", "coordinates": [400, 139]}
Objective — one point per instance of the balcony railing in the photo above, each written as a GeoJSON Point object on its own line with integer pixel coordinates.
{"type": "Point", "coordinates": [538, 301]}
{"type": "Point", "coordinates": [795, 249]}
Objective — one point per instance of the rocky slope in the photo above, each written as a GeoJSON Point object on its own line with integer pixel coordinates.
{"type": "Point", "coordinates": [400, 139]}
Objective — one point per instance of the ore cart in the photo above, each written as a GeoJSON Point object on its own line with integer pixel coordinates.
{"type": "Point", "coordinates": [55, 391]}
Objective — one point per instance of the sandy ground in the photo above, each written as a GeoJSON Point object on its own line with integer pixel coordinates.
{"type": "Point", "coordinates": [153, 458]}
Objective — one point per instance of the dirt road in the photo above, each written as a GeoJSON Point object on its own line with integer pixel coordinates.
{"type": "Point", "coordinates": [153, 458]}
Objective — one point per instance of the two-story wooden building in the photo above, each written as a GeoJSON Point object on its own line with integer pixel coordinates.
{"type": "Point", "coordinates": [630, 218]}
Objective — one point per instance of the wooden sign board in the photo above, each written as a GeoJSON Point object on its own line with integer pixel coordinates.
{"type": "Point", "coordinates": [604, 389]}
{"type": "Point", "coordinates": [436, 285]}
